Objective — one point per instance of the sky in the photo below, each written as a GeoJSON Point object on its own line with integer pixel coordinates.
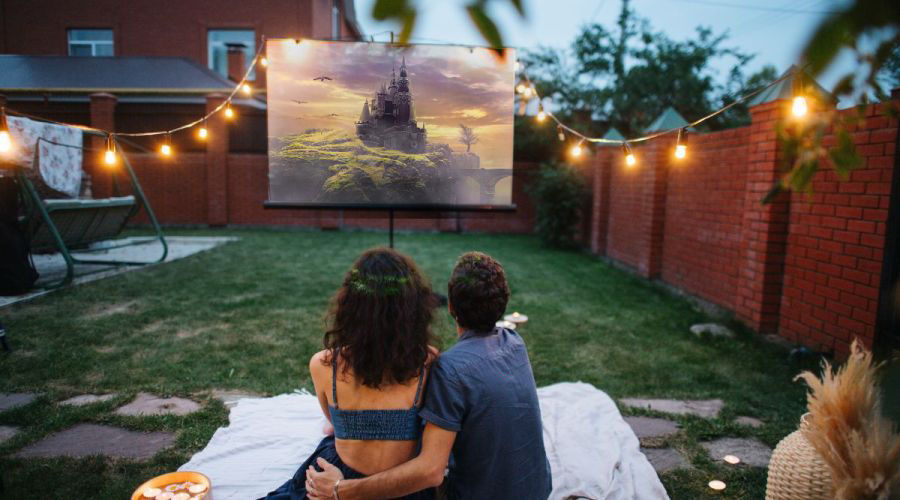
{"type": "Point", "coordinates": [774, 30]}
{"type": "Point", "coordinates": [449, 86]}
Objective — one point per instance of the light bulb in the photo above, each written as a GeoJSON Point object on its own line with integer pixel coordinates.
{"type": "Point", "coordinates": [229, 113]}
{"type": "Point", "coordinates": [541, 115]}
{"type": "Point", "coordinates": [799, 107]}
{"type": "Point", "coordinates": [202, 133]}
{"type": "Point", "coordinates": [630, 160]}
{"type": "Point", "coordinates": [520, 88]}
{"type": "Point", "coordinates": [576, 150]}
{"type": "Point", "coordinates": [263, 61]}
{"type": "Point", "coordinates": [110, 157]}
{"type": "Point", "coordinates": [5, 141]}
{"type": "Point", "coordinates": [246, 88]}
{"type": "Point", "coordinates": [561, 135]}
{"type": "Point", "coordinates": [680, 151]}
{"type": "Point", "coordinates": [527, 92]}
{"type": "Point", "coordinates": [165, 150]}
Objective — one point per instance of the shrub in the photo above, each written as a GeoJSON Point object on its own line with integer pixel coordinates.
{"type": "Point", "coordinates": [559, 192]}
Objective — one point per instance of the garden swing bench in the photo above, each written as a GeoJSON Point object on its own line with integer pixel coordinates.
{"type": "Point", "coordinates": [76, 226]}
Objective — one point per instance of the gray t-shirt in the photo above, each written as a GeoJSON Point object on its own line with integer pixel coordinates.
{"type": "Point", "coordinates": [483, 389]}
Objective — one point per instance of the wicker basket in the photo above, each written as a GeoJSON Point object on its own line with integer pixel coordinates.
{"type": "Point", "coordinates": [797, 471]}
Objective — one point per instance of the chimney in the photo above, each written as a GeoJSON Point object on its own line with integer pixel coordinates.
{"type": "Point", "coordinates": [236, 66]}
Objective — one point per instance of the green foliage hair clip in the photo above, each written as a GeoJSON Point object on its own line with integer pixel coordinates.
{"type": "Point", "coordinates": [376, 285]}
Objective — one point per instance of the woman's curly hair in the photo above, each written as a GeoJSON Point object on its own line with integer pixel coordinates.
{"type": "Point", "coordinates": [380, 319]}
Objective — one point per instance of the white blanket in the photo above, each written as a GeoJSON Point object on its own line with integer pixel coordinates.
{"type": "Point", "coordinates": [593, 452]}
{"type": "Point", "coordinates": [60, 158]}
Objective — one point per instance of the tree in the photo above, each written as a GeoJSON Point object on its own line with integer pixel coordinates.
{"type": "Point", "coordinates": [626, 76]}
{"type": "Point", "coordinates": [467, 136]}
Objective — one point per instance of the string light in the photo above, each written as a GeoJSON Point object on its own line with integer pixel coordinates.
{"type": "Point", "coordinates": [528, 92]}
{"type": "Point", "coordinates": [681, 144]}
{"type": "Point", "coordinates": [561, 134]}
{"type": "Point", "coordinates": [166, 148]}
{"type": "Point", "coordinates": [229, 113]}
{"type": "Point", "coordinates": [630, 160]}
{"type": "Point", "coordinates": [5, 139]}
{"type": "Point", "coordinates": [577, 149]}
{"type": "Point", "coordinates": [203, 132]}
{"type": "Point", "coordinates": [263, 61]}
{"type": "Point", "coordinates": [541, 116]}
{"type": "Point", "coordinates": [520, 88]}
{"type": "Point", "coordinates": [110, 156]}
{"type": "Point", "coordinates": [246, 88]}
{"type": "Point", "coordinates": [799, 106]}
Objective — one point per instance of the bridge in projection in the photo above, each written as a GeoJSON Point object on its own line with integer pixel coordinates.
{"type": "Point", "coordinates": [487, 179]}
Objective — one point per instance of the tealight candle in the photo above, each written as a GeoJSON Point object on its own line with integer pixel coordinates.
{"type": "Point", "coordinates": [197, 488]}
{"type": "Point", "coordinates": [181, 496]}
{"type": "Point", "coordinates": [164, 496]}
{"type": "Point", "coordinates": [733, 460]}
{"type": "Point", "coordinates": [717, 485]}
{"type": "Point", "coordinates": [151, 492]}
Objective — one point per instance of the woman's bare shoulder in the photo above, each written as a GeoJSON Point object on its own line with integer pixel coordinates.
{"type": "Point", "coordinates": [320, 361]}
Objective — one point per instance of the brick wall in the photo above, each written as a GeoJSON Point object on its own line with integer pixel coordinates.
{"type": "Point", "coordinates": [836, 241]}
{"type": "Point", "coordinates": [807, 267]}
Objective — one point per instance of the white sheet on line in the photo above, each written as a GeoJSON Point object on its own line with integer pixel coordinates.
{"type": "Point", "coordinates": [593, 452]}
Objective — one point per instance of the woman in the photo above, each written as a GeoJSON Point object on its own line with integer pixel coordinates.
{"type": "Point", "coordinates": [369, 378]}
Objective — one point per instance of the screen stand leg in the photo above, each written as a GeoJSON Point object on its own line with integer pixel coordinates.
{"type": "Point", "coordinates": [391, 227]}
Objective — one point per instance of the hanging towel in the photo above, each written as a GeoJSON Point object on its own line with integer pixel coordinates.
{"type": "Point", "coordinates": [60, 164]}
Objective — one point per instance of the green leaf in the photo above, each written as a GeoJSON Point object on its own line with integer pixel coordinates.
{"type": "Point", "coordinates": [519, 7]}
{"type": "Point", "coordinates": [409, 22]}
{"type": "Point", "coordinates": [485, 26]}
{"type": "Point", "coordinates": [389, 9]}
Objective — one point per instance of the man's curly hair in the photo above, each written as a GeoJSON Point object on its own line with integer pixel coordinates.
{"type": "Point", "coordinates": [478, 292]}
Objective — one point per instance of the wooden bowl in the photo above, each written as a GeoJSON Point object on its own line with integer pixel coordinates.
{"type": "Point", "coordinates": [174, 477]}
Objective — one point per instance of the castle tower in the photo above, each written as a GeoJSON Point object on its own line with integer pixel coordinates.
{"type": "Point", "coordinates": [365, 116]}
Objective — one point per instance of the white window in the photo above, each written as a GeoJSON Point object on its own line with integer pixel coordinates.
{"type": "Point", "coordinates": [218, 50]}
{"type": "Point", "coordinates": [335, 20]}
{"type": "Point", "coordinates": [90, 42]}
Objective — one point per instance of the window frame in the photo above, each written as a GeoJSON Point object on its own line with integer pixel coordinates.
{"type": "Point", "coordinates": [93, 44]}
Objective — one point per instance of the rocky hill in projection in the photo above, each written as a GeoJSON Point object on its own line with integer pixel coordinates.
{"type": "Point", "coordinates": [329, 166]}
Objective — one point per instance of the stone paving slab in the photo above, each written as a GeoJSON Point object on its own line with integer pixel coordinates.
{"type": "Point", "coordinates": [148, 404]}
{"type": "Point", "coordinates": [91, 439]}
{"type": "Point", "coordinates": [12, 400]}
{"type": "Point", "coordinates": [665, 459]}
{"type": "Point", "coordinates": [711, 330]}
{"type": "Point", "coordinates": [230, 397]}
{"type": "Point", "coordinates": [707, 408]}
{"type": "Point", "coordinates": [649, 427]}
{"type": "Point", "coordinates": [749, 422]}
{"type": "Point", "coordinates": [7, 432]}
{"type": "Point", "coordinates": [751, 451]}
{"type": "Point", "coordinates": [86, 399]}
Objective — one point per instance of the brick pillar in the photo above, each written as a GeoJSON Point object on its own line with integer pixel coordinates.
{"type": "Point", "coordinates": [216, 164]}
{"type": "Point", "coordinates": [658, 155]}
{"type": "Point", "coordinates": [235, 57]}
{"type": "Point", "coordinates": [602, 163]}
{"type": "Point", "coordinates": [103, 116]}
{"type": "Point", "coordinates": [764, 227]}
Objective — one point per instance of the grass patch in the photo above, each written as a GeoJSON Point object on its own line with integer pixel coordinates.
{"type": "Point", "coordinates": [248, 315]}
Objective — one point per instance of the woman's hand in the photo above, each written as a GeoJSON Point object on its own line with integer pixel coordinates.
{"type": "Point", "coordinates": [320, 485]}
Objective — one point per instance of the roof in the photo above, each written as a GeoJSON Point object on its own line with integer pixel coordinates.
{"type": "Point", "coordinates": [144, 75]}
{"type": "Point", "coordinates": [784, 89]}
{"type": "Point", "coordinates": [614, 135]}
{"type": "Point", "coordinates": [668, 120]}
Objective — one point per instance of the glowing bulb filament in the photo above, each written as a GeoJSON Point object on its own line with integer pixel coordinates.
{"type": "Point", "coordinates": [229, 113]}
{"type": "Point", "coordinates": [577, 150]}
{"type": "Point", "coordinates": [263, 61]}
{"type": "Point", "coordinates": [246, 88]}
{"type": "Point", "coordinates": [799, 106]}
{"type": "Point", "coordinates": [110, 157]}
{"type": "Point", "coordinates": [541, 115]}
{"type": "Point", "coordinates": [527, 93]}
{"type": "Point", "coordinates": [165, 150]}
{"type": "Point", "coordinates": [630, 160]}
{"type": "Point", "coordinates": [520, 88]}
{"type": "Point", "coordinates": [202, 133]}
{"type": "Point", "coordinates": [680, 151]}
{"type": "Point", "coordinates": [5, 141]}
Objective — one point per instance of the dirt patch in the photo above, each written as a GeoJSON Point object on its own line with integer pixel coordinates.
{"type": "Point", "coordinates": [187, 333]}
{"type": "Point", "coordinates": [106, 310]}
{"type": "Point", "coordinates": [107, 349]}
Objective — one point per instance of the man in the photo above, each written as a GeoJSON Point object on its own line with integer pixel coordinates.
{"type": "Point", "coordinates": [481, 403]}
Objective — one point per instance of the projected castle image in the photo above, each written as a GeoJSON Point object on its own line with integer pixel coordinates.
{"type": "Point", "coordinates": [389, 120]}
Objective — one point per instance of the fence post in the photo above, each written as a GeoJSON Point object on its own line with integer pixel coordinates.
{"type": "Point", "coordinates": [216, 164]}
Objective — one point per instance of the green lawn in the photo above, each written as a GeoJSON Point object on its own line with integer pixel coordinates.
{"type": "Point", "coordinates": [248, 316]}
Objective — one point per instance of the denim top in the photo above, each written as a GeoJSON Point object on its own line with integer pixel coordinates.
{"type": "Point", "coordinates": [375, 425]}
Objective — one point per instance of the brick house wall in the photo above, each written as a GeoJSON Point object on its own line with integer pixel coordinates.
{"type": "Point", "coordinates": [807, 267]}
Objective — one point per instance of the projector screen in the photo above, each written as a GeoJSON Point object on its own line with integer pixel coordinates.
{"type": "Point", "coordinates": [377, 125]}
